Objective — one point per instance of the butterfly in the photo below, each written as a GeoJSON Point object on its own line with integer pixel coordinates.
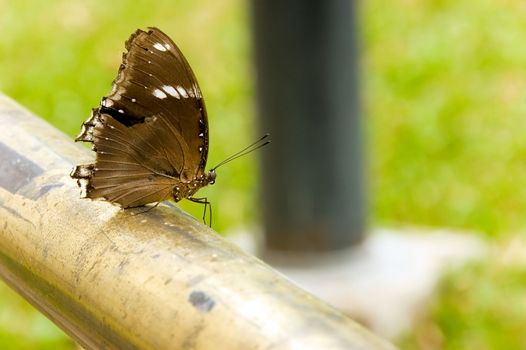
{"type": "Point", "coordinates": [150, 134]}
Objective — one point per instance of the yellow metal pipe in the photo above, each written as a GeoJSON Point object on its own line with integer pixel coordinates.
{"type": "Point", "coordinates": [158, 280]}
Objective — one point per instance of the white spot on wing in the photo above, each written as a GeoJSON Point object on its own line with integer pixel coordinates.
{"type": "Point", "coordinates": [197, 92]}
{"type": "Point", "coordinates": [107, 103]}
{"type": "Point", "coordinates": [134, 100]}
{"type": "Point", "coordinates": [159, 94]}
{"type": "Point", "coordinates": [182, 91]}
{"type": "Point", "coordinates": [170, 90]}
{"type": "Point", "coordinates": [159, 46]}
{"type": "Point", "coordinates": [167, 46]}
{"type": "Point", "coordinates": [121, 111]}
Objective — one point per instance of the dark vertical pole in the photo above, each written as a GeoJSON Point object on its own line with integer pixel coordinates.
{"type": "Point", "coordinates": [306, 64]}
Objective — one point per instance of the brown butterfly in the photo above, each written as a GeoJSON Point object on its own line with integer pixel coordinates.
{"type": "Point", "coordinates": [150, 134]}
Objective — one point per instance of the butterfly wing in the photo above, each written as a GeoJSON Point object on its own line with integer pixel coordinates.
{"type": "Point", "coordinates": [151, 132]}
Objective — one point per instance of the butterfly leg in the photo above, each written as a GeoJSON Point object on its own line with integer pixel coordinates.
{"type": "Point", "coordinates": [204, 201]}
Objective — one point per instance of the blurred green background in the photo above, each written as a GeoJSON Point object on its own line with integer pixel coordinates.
{"type": "Point", "coordinates": [443, 85]}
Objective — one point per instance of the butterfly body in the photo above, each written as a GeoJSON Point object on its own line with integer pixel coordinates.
{"type": "Point", "coordinates": [150, 134]}
{"type": "Point", "coordinates": [188, 189]}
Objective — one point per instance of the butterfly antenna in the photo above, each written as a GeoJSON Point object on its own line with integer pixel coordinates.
{"type": "Point", "coordinates": [250, 148]}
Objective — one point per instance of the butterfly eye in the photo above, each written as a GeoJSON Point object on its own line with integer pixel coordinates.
{"type": "Point", "coordinates": [212, 177]}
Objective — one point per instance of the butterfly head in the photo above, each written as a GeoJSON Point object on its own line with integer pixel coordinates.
{"type": "Point", "coordinates": [211, 177]}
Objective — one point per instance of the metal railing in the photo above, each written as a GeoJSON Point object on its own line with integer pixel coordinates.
{"type": "Point", "coordinates": [159, 280]}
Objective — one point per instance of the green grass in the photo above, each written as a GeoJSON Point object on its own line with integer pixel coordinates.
{"type": "Point", "coordinates": [445, 96]}
{"type": "Point", "coordinates": [444, 87]}
{"type": "Point", "coordinates": [482, 306]}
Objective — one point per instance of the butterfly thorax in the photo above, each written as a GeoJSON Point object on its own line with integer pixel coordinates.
{"type": "Point", "coordinates": [188, 189]}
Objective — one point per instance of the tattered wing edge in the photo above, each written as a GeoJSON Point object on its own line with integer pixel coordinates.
{"type": "Point", "coordinates": [84, 172]}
